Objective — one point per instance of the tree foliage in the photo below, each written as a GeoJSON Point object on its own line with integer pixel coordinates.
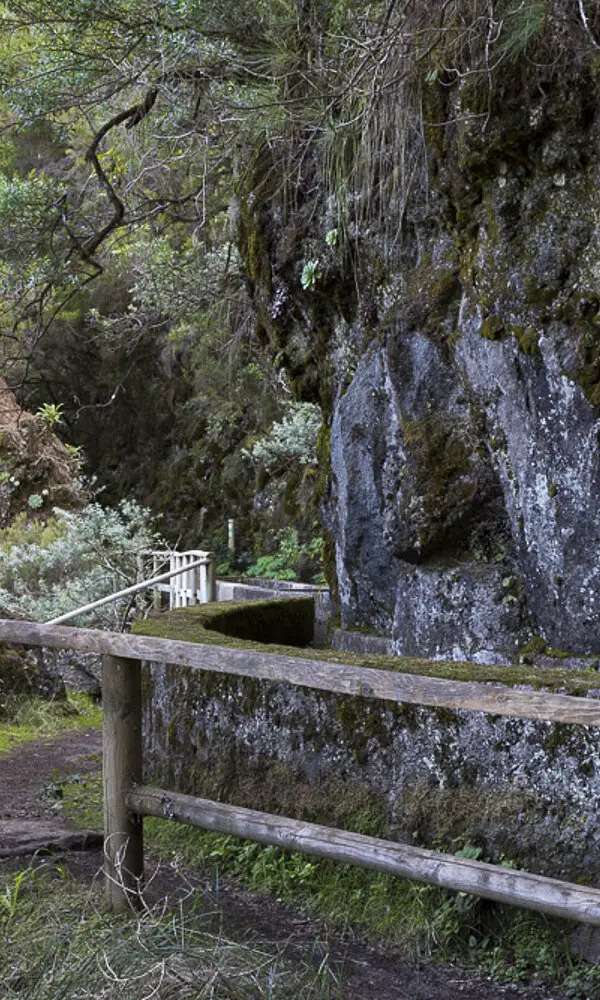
{"type": "Point", "coordinates": [139, 144]}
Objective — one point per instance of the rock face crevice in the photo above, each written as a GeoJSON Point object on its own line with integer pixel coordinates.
{"type": "Point", "coordinates": [423, 540]}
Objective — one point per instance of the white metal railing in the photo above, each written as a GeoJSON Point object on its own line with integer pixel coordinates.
{"type": "Point", "coordinates": [196, 569]}
{"type": "Point", "coordinates": [192, 577]}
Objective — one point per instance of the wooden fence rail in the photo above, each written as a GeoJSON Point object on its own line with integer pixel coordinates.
{"type": "Point", "coordinates": [560, 899]}
{"type": "Point", "coordinates": [126, 800]}
{"type": "Point", "coordinates": [389, 685]}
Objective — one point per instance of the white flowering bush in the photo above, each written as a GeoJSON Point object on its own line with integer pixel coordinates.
{"type": "Point", "coordinates": [293, 440]}
{"type": "Point", "coordinates": [76, 558]}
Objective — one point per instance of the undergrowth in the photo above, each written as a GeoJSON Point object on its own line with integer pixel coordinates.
{"type": "Point", "coordinates": [33, 718]}
{"type": "Point", "coordinates": [57, 942]}
{"type": "Point", "coordinates": [291, 560]}
{"type": "Point", "coordinates": [424, 921]}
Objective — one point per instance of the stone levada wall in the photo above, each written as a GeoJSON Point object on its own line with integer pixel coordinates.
{"type": "Point", "coordinates": [522, 791]}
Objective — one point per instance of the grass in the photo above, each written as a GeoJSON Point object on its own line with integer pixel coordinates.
{"type": "Point", "coordinates": [58, 943]}
{"type": "Point", "coordinates": [424, 921]}
{"type": "Point", "coordinates": [34, 719]}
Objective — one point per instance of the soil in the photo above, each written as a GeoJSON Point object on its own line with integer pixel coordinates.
{"type": "Point", "coordinates": [30, 821]}
{"type": "Point", "coordinates": [38, 461]}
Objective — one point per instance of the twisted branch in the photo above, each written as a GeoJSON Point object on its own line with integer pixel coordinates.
{"type": "Point", "coordinates": [132, 116]}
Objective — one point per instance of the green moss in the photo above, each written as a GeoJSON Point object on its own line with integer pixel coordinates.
{"type": "Point", "coordinates": [587, 373]}
{"type": "Point", "coordinates": [320, 495]}
{"type": "Point", "coordinates": [197, 624]}
{"type": "Point", "coordinates": [528, 338]}
{"type": "Point", "coordinates": [560, 734]}
{"type": "Point", "coordinates": [432, 292]}
{"type": "Point", "coordinates": [279, 622]}
{"type": "Point", "coordinates": [445, 718]}
{"type": "Point", "coordinates": [537, 644]}
{"type": "Point", "coordinates": [252, 195]}
{"type": "Point", "coordinates": [440, 456]}
{"type": "Point", "coordinates": [434, 114]}
{"type": "Point", "coordinates": [407, 715]}
{"type": "Point", "coordinates": [445, 817]}
{"type": "Point", "coordinates": [492, 328]}
{"type": "Point", "coordinates": [348, 714]}
{"type": "Point", "coordinates": [274, 787]}
{"type": "Point", "coordinates": [552, 490]}
{"type": "Point", "coordinates": [283, 622]}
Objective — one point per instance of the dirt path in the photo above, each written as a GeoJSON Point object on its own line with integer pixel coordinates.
{"type": "Point", "coordinates": [29, 819]}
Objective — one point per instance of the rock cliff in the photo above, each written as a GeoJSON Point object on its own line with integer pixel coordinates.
{"type": "Point", "coordinates": [459, 371]}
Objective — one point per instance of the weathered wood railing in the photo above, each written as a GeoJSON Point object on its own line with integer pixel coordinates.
{"type": "Point", "coordinates": [127, 800]}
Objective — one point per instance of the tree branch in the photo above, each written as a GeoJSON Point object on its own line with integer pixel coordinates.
{"type": "Point", "coordinates": [132, 117]}
{"type": "Point", "coordinates": [586, 25]}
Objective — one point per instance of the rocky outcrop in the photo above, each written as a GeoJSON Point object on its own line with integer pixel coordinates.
{"type": "Point", "coordinates": [414, 489]}
{"type": "Point", "coordinates": [465, 495]}
{"type": "Point", "coordinates": [460, 379]}
{"type": "Point", "coordinates": [23, 673]}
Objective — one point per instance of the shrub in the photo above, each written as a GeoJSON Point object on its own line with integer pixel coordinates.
{"type": "Point", "coordinates": [291, 560]}
{"type": "Point", "coordinates": [75, 558]}
{"type": "Point", "coordinates": [294, 439]}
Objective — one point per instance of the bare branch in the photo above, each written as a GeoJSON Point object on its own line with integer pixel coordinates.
{"type": "Point", "coordinates": [586, 25]}
{"type": "Point", "coordinates": [132, 116]}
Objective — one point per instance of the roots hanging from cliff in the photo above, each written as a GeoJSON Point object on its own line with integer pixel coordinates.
{"type": "Point", "coordinates": [375, 91]}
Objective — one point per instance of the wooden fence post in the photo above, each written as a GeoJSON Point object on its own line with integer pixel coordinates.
{"type": "Point", "coordinates": [122, 768]}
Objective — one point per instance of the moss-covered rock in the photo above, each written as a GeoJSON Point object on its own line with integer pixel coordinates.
{"type": "Point", "coordinates": [230, 625]}
{"type": "Point", "coordinates": [457, 358]}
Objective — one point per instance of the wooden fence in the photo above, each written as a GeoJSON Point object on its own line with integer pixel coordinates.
{"type": "Point", "coordinates": [127, 799]}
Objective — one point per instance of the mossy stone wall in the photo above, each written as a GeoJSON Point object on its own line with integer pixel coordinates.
{"type": "Point", "coordinates": [524, 791]}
